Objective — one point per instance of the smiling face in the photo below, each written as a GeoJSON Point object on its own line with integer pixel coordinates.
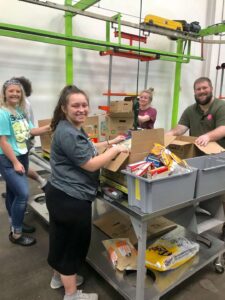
{"type": "Point", "coordinates": [77, 109]}
{"type": "Point", "coordinates": [144, 100]}
{"type": "Point", "coordinates": [203, 93]}
{"type": "Point", "coordinates": [13, 95]}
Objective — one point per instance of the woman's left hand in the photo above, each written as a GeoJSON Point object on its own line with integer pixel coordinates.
{"type": "Point", "coordinates": [117, 139]}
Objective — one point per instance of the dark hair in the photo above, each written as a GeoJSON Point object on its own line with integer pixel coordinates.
{"type": "Point", "coordinates": [66, 92]}
{"type": "Point", "coordinates": [26, 84]}
{"type": "Point", "coordinates": [202, 79]}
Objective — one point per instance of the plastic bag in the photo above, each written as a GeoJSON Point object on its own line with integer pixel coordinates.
{"type": "Point", "coordinates": [170, 252]}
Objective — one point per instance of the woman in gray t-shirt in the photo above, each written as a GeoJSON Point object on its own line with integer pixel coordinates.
{"type": "Point", "coordinates": [71, 189]}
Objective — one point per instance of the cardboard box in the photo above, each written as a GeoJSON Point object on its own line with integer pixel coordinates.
{"type": "Point", "coordinates": [95, 127]}
{"type": "Point", "coordinates": [118, 225]}
{"type": "Point", "coordinates": [121, 109]}
{"type": "Point", "coordinates": [185, 147]}
{"type": "Point", "coordinates": [117, 177]}
{"type": "Point", "coordinates": [117, 126]}
{"type": "Point", "coordinates": [46, 138]}
{"type": "Point", "coordinates": [141, 145]}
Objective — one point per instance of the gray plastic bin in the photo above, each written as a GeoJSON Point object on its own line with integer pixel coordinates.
{"type": "Point", "coordinates": [152, 195]}
{"type": "Point", "coordinates": [211, 175]}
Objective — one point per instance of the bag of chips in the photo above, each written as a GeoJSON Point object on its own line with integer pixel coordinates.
{"type": "Point", "coordinates": [170, 252]}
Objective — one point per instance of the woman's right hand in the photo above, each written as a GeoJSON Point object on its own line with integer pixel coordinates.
{"type": "Point", "coordinates": [121, 148]}
{"type": "Point", "coordinates": [18, 167]}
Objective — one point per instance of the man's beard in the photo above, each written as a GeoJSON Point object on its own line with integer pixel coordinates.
{"type": "Point", "coordinates": [206, 101]}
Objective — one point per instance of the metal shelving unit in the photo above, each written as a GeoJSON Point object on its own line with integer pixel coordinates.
{"type": "Point", "coordinates": [139, 285]}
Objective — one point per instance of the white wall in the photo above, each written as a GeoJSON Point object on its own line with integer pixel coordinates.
{"type": "Point", "coordinates": [44, 64]}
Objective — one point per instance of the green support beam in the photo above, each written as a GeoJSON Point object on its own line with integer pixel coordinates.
{"type": "Point", "coordinates": [176, 92]}
{"type": "Point", "coordinates": [38, 35]}
{"type": "Point", "coordinates": [213, 29]}
{"type": "Point", "coordinates": [84, 4]}
{"type": "Point", "coordinates": [52, 40]}
{"type": "Point", "coordinates": [69, 49]}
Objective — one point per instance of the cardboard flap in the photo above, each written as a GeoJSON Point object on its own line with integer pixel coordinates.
{"type": "Point", "coordinates": [143, 140]}
{"type": "Point", "coordinates": [141, 145]}
{"type": "Point", "coordinates": [181, 143]}
{"type": "Point", "coordinates": [168, 139]}
{"type": "Point", "coordinates": [185, 138]}
{"type": "Point", "coordinates": [115, 164]}
{"type": "Point", "coordinates": [211, 148]}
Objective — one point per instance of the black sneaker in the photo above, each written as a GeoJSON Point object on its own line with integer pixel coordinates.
{"type": "Point", "coordinates": [24, 240]}
{"type": "Point", "coordinates": [27, 228]}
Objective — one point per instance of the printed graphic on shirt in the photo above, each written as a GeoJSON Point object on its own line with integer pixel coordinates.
{"type": "Point", "coordinates": [21, 132]}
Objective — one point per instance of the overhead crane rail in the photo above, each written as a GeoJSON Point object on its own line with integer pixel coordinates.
{"type": "Point", "coordinates": [145, 27]}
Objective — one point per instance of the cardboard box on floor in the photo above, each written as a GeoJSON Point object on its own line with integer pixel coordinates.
{"type": "Point", "coordinates": [141, 144]}
{"type": "Point", "coordinates": [118, 225]}
{"type": "Point", "coordinates": [185, 147]}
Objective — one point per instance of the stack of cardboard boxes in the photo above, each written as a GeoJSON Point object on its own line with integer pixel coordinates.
{"type": "Point", "coordinates": [120, 118]}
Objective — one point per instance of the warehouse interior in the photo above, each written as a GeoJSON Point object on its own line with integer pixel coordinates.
{"type": "Point", "coordinates": [113, 51]}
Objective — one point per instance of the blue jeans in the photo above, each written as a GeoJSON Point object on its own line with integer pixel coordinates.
{"type": "Point", "coordinates": [17, 190]}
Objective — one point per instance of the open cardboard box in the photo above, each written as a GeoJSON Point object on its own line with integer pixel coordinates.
{"type": "Point", "coordinates": [141, 144]}
{"type": "Point", "coordinates": [185, 147]}
{"type": "Point", "coordinates": [118, 225]}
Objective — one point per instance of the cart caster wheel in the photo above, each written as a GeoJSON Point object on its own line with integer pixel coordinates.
{"type": "Point", "coordinates": [219, 268]}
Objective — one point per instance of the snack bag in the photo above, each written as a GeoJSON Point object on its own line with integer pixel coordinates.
{"type": "Point", "coordinates": [169, 159]}
{"type": "Point", "coordinates": [122, 253]}
{"type": "Point", "coordinates": [170, 252]}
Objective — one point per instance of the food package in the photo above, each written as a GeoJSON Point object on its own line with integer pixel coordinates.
{"type": "Point", "coordinates": [122, 253]}
{"type": "Point", "coordinates": [169, 159]}
{"type": "Point", "coordinates": [170, 252]}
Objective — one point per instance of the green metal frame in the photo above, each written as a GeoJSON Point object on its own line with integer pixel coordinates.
{"type": "Point", "coordinates": [182, 54]}
{"type": "Point", "coordinates": [213, 29]}
{"type": "Point", "coordinates": [176, 91]}
{"type": "Point", "coordinates": [84, 4]}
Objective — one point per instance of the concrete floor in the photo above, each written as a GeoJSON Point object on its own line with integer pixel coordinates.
{"type": "Point", "coordinates": [25, 274]}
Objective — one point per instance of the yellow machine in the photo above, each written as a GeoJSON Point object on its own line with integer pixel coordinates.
{"type": "Point", "coordinates": [162, 22]}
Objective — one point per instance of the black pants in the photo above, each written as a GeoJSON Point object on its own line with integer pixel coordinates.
{"type": "Point", "coordinates": [70, 231]}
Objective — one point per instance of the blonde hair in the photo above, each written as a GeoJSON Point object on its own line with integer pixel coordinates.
{"type": "Point", "coordinates": [149, 91]}
{"type": "Point", "coordinates": [22, 102]}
